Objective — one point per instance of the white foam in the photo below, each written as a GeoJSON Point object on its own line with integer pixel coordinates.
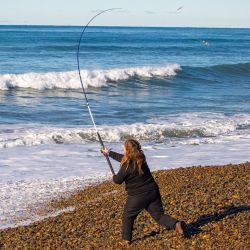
{"type": "Point", "coordinates": [29, 178]}
{"type": "Point", "coordinates": [191, 128]}
{"type": "Point", "coordinates": [70, 79]}
{"type": "Point", "coordinates": [35, 218]}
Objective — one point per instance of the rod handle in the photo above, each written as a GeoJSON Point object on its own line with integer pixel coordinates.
{"type": "Point", "coordinates": [107, 157]}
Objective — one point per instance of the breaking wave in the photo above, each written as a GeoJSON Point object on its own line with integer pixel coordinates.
{"type": "Point", "coordinates": [70, 79]}
{"type": "Point", "coordinates": [205, 128]}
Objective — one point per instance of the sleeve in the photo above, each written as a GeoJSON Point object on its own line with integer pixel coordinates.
{"type": "Point", "coordinates": [120, 176]}
{"type": "Point", "coordinates": [115, 156]}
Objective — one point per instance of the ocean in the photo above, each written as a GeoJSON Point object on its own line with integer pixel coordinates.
{"type": "Point", "coordinates": [184, 93]}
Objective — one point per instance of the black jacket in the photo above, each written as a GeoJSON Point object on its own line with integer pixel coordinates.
{"type": "Point", "coordinates": [135, 183]}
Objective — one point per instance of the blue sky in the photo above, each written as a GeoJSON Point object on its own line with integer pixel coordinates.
{"type": "Point", "coordinates": [195, 13]}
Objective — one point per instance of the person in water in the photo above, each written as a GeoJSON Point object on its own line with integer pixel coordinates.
{"type": "Point", "coordinates": [142, 190]}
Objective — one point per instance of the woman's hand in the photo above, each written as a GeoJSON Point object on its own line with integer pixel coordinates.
{"type": "Point", "coordinates": [105, 151]}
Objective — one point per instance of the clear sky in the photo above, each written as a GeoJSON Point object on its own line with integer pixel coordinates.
{"type": "Point", "coordinates": [194, 13]}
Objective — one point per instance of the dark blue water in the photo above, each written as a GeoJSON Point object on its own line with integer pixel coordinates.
{"type": "Point", "coordinates": [49, 48]}
{"type": "Point", "coordinates": [213, 74]}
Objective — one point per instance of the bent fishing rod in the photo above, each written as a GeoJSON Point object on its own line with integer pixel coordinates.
{"type": "Point", "coordinates": [84, 92]}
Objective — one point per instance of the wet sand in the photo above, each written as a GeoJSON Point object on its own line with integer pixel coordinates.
{"type": "Point", "coordinates": [213, 200]}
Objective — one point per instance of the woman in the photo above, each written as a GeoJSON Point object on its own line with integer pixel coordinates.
{"type": "Point", "coordinates": [142, 190]}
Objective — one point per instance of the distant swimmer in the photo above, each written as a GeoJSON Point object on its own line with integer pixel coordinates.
{"type": "Point", "coordinates": [204, 42]}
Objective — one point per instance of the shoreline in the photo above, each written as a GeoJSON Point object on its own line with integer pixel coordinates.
{"type": "Point", "coordinates": [211, 199]}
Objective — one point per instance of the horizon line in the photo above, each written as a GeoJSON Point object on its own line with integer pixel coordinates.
{"type": "Point", "coordinates": [123, 26]}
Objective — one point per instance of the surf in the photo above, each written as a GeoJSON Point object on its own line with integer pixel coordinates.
{"type": "Point", "coordinates": [91, 78]}
{"type": "Point", "coordinates": [198, 128]}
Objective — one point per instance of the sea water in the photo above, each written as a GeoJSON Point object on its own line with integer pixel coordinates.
{"type": "Point", "coordinates": [184, 93]}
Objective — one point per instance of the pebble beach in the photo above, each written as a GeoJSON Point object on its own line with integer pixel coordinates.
{"type": "Point", "coordinates": [212, 200]}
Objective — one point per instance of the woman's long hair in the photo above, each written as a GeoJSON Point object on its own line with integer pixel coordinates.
{"type": "Point", "coordinates": [133, 153]}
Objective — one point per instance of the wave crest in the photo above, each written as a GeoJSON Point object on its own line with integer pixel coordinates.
{"type": "Point", "coordinates": [70, 79]}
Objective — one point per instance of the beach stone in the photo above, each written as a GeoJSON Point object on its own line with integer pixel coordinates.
{"type": "Point", "coordinates": [213, 200]}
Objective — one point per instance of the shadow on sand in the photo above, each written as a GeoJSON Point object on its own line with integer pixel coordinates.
{"type": "Point", "coordinates": [193, 228]}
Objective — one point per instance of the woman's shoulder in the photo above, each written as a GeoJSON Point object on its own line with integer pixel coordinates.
{"type": "Point", "coordinates": [145, 167]}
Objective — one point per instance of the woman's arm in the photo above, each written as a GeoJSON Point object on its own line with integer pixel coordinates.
{"type": "Point", "coordinates": [115, 156]}
{"type": "Point", "coordinates": [120, 176]}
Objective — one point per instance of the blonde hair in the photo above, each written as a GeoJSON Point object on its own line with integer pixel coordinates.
{"type": "Point", "coordinates": [133, 152]}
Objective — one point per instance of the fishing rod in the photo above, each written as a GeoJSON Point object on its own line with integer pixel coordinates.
{"type": "Point", "coordinates": [84, 92]}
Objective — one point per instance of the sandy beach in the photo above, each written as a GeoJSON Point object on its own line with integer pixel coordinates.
{"type": "Point", "coordinates": [213, 200]}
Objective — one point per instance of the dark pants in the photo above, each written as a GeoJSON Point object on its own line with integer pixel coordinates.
{"type": "Point", "coordinates": [151, 201]}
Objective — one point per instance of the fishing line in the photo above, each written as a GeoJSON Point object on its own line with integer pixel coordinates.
{"type": "Point", "coordinates": [84, 92]}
